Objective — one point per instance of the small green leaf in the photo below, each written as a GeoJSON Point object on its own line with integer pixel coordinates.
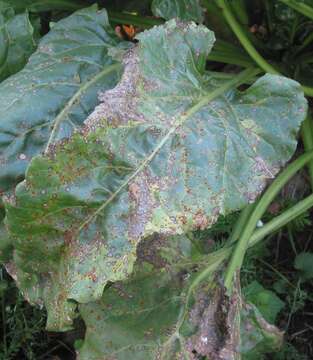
{"type": "Point", "coordinates": [304, 263]}
{"type": "Point", "coordinates": [16, 39]}
{"type": "Point", "coordinates": [267, 302]}
{"type": "Point", "coordinates": [281, 286]}
{"type": "Point", "coordinates": [182, 9]}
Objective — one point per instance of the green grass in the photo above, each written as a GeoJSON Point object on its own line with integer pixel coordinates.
{"type": "Point", "coordinates": [22, 333]}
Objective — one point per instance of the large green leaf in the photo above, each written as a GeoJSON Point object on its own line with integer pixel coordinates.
{"type": "Point", "coordinates": [56, 90]}
{"type": "Point", "coordinates": [17, 40]}
{"type": "Point", "coordinates": [173, 308]}
{"type": "Point", "coordinates": [182, 9]}
{"type": "Point", "coordinates": [166, 152]}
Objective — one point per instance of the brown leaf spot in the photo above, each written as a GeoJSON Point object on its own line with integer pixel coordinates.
{"type": "Point", "coordinates": [200, 220]}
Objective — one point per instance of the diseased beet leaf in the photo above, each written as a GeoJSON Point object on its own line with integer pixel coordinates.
{"type": "Point", "coordinates": [187, 10]}
{"type": "Point", "coordinates": [56, 90]}
{"type": "Point", "coordinates": [167, 151]}
{"type": "Point", "coordinates": [16, 39]}
{"type": "Point", "coordinates": [164, 311]}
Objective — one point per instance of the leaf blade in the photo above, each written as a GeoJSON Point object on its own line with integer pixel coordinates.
{"type": "Point", "coordinates": [17, 39]}
{"type": "Point", "coordinates": [67, 67]}
{"type": "Point", "coordinates": [168, 310]}
{"type": "Point", "coordinates": [187, 10]}
{"type": "Point", "coordinates": [151, 159]}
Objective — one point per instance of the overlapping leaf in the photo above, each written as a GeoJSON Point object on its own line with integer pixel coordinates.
{"type": "Point", "coordinates": [182, 9]}
{"type": "Point", "coordinates": [268, 303]}
{"type": "Point", "coordinates": [46, 5]}
{"type": "Point", "coordinates": [165, 311]}
{"type": "Point", "coordinates": [56, 90]}
{"type": "Point", "coordinates": [16, 39]}
{"type": "Point", "coordinates": [161, 154]}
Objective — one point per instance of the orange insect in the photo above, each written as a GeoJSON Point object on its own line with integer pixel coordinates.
{"type": "Point", "coordinates": [127, 32]}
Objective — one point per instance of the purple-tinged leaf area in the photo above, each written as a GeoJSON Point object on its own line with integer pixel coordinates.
{"type": "Point", "coordinates": [258, 337]}
{"type": "Point", "coordinates": [55, 92]}
{"type": "Point", "coordinates": [161, 154]}
{"type": "Point", "coordinates": [164, 312]}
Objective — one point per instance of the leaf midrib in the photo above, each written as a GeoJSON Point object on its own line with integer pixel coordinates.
{"type": "Point", "coordinates": [61, 116]}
